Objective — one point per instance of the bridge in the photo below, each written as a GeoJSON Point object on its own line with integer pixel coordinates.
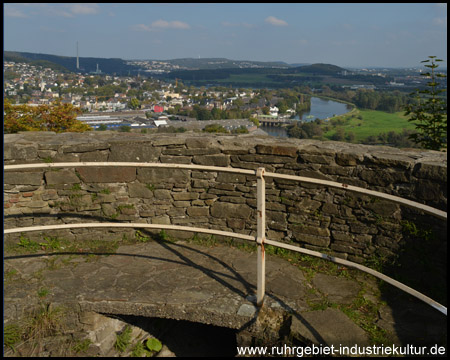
{"type": "Point", "coordinates": [223, 286]}
{"type": "Point", "coordinates": [267, 120]}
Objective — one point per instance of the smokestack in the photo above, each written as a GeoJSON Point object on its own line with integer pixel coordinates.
{"type": "Point", "coordinates": [78, 61]}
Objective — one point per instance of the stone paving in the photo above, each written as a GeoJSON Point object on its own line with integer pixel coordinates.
{"type": "Point", "coordinates": [214, 285]}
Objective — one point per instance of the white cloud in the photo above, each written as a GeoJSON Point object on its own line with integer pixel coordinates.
{"type": "Point", "coordinates": [162, 25]}
{"type": "Point", "coordinates": [141, 27]}
{"type": "Point", "coordinates": [41, 9]}
{"type": "Point", "coordinates": [440, 21]}
{"type": "Point", "coordinates": [83, 9]}
{"type": "Point", "coordinates": [12, 11]}
{"type": "Point", "coordinates": [272, 20]}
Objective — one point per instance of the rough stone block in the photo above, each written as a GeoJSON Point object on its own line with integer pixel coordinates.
{"type": "Point", "coordinates": [107, 174]}
{"type": "Point", "coordinates": [203, 142]}
{"type": "Point", "coordinates": [316, 158]}
{"type": "Point", "coordinates": [310, 230]}
{"type": "Point", "coordinates": [20, 152]}
{"type": "Point", "coordinates": [342, 236]}
{"type": "Point", "coordinates": [181, 204]}
{"type": "Point", "coordinates": [332, 209]}
{"type": "Point", "coordinates": [168, 140]}
{"type": "Point", "coordinates": [229, 210]}
{"type": "Point", "coordinates": [431, 171]}
{"type": "Point", "coordinates": [198, 211]}
{"type": "Point", "coordinates": [200, 183]}
{"type": "Point", "coordinates": [344, 248]}
{"type": "Point", "coordinates": [383, 208]}
{"type": "Point", "coordinates": [163, 175]}
{"type": "Point", "coordinates": [233, 199]}
{"type": "Point", "coordinates": [236, 224]}
{"type": "Point", "coordinates": [265, 159]}
{"type": "Point", "coordinates": [175, 159]}
{"type": "Point", "coordinates": [162, 194]}
{"type": "Point", "coordinates": [63, 176]}
{"type": "Point", "coordinates": [108, 209]}
{"type": "Point", "coordinates": [162, 220]}
{"type": "Point", "coordinates": [185, 196]}
{"type": "Point", "coordinates": [84, 147]}
{"type": "Point", "coordinates": [307, 204]}
{"type": "Point", "coordinates": [276, 150]}
{"type": "Point", "coordinates": [22, 178]}
{"type": "Point", "coordinates": [212, 160]}
{"type": "Point", "coordinates": [231, 178]}
{"type": "Point", "coordinates": [138, 190]}
{"type": "Point", "coordinates": [312, 239]}
{"type": "Point", "coordinates": [99, 156]}
{"type": "Point", "coordinates": [348, 159]}
{"type": "Point", "coordinates": [142, 152]}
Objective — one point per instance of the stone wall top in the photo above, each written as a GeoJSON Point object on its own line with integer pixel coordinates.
{"type": "Point", "coordinates": [24, 147]}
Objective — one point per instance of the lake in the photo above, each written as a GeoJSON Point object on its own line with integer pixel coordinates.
{"type": "Point", "coordinates": [320, 108]}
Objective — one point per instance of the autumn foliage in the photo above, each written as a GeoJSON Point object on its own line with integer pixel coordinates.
{"type": "Point", "coordinates": [58, 118]}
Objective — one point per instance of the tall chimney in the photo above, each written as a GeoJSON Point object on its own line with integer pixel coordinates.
{"type": "Point", "coordinates": [78, 61]}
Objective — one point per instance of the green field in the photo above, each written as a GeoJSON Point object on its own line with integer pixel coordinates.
{"type": "Point", "coordinates": [373, 122]}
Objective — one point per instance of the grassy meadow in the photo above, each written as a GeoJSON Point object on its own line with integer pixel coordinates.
{"type": "Point", "coordinates": [363, 123]}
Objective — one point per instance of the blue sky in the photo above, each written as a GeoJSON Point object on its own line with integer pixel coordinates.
{"type": "Point", "coordinates": [352, 34]}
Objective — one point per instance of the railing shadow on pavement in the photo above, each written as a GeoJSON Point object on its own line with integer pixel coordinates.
{"type": "Point", "coordinates": [260, 237]}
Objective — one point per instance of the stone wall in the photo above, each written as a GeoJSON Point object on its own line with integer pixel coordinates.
{"type": "Point", "coordinates": [350, 226]}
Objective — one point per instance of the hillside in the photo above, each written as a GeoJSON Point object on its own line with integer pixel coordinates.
{"type": "Point", "coordinates": [260, 76]}
{"type": "Point", "coordinates": [67, 63]}
{"type": "Point", "coordinates": [220, 71]}
{"type": "Point", "coordinates": [222, 63]}
{"type": "Point", "coordinates": [19, 58]}
{"type": "Point", "coordinates": [318, 69]}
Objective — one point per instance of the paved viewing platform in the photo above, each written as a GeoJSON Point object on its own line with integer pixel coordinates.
{"type": "Point", "coordinates": [216, 284]}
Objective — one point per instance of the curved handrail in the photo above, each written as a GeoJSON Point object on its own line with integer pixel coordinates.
{"type": "Point", "coordinates": [130, 225]}
{"type": "Point", "coordinates": [413, 204]}
{"type": "Point", "coordinates": [260, 239]}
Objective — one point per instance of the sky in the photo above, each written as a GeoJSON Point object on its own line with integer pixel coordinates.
{"type": "Point", "coordinates": [346, 35]}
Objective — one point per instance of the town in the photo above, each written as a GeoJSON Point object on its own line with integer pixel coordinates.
{"type": "Point", "coordinates": [141, 102]}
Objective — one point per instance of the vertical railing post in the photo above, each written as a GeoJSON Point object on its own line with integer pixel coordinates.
{"type": "Point", "coordinates": [261, 236]}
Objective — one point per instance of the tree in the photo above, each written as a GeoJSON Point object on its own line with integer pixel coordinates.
{"type": "Point", "coordinates": [254, 120]}
{"type": "Point", "coordinates": [240, 130]}
{"type": "Point", "coordinates": [59, 118]}
{"type": "Point", "coordinates": [339, 135]}
{"type": "Point", "coordinates": [134, 104]}
{"type": "Point", "coordinates": [124, 128]}
{"type": "Point", "coordinates": [429, 111]}
{"type": "Point", "coordinates": [215, 128]}
{"type": "Point", "coordinates": [282, 106]}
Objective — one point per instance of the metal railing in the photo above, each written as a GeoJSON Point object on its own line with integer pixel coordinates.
{"type": "Point", "coordinates": [260, 238]}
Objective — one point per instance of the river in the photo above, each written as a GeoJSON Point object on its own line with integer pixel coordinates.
{"type": "Point", "coordinates": [320, 108]}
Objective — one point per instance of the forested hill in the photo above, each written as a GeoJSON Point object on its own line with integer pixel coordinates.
{"type": "Point", "coordinates": [67, 63]}
{"type": "Point", "coordinates": [222, 63]}
{"type": "Point", "coordinates": [208, 69]}
{"type": "Point", "coordinates": [318, 69]}
{"type": "Point", "coordinates": [308, 72]}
